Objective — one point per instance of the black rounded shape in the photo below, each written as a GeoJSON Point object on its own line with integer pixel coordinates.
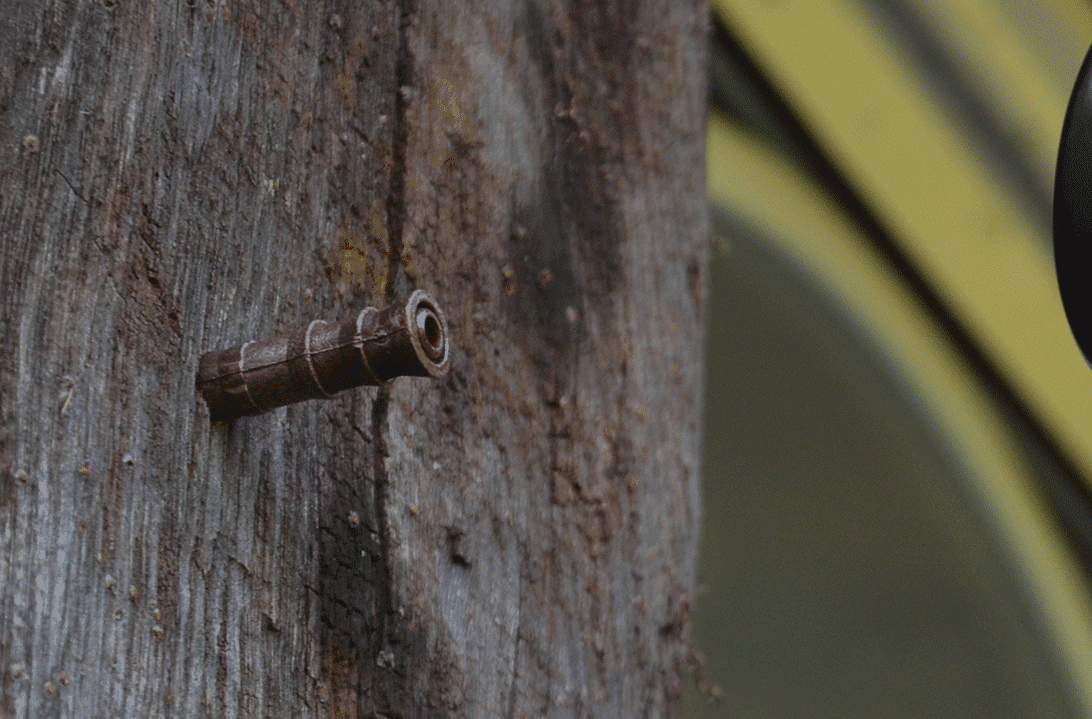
{"type": "Point", "coordinates": [432, 330]}
{"type": "Point", "coordinates": [1073, 210]}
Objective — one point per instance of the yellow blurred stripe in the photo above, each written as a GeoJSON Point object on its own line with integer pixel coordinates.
{"type": "Point", "coordinates": [811, 232]}
{"type": "Point", "coordinates": [1060, 30]}
{"type": "Point", "coordinates": [1019, 87]}
{"type": "Point", "coordinates": [882, 127]}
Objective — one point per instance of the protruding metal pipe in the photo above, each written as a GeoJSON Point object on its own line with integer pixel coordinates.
{"type": "Point", "coordinates": [408, 337]}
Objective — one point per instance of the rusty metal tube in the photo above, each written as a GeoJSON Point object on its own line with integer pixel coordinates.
{"type": "Point", "coordinates": [408, 337]}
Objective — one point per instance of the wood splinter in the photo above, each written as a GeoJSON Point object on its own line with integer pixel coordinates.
{"type": "Point", "coordinates": [409, 337]}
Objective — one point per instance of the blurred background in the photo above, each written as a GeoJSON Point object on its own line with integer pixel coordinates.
{"type": "Point", "coordinates": [898, 455]}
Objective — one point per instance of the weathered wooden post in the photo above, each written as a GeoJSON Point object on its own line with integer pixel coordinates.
{"type": "Point", "coordinates": [516, 538]}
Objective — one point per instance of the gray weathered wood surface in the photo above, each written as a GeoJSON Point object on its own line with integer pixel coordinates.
{"type": "Point", "coordinates": [518, 539]}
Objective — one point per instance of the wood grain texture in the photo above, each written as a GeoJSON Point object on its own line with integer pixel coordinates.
{"type": "Point", "coordinates": [517, 539]}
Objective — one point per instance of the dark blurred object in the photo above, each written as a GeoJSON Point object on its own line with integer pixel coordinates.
{"type": "Point", "coordinates": [1073, 210]}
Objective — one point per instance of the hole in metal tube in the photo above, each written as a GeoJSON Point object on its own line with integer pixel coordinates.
{"type": "Point", "coordinates": [429, 329]}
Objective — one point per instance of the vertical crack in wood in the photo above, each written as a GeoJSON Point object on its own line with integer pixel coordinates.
{"type": "Point", "coordinates": [396, 279]}
{"type": "Point", "coordinates": [379, 438]}
{"type": "Point", "coordinates": [396, 217]}
{"type": "Point", "coordinates": [396, 194]}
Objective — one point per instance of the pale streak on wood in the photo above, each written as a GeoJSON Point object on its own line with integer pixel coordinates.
{"type": "Point", "coordinates": [517, 540]}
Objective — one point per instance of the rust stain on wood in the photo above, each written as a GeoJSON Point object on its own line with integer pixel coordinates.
{"type": "Point", "coordinates": [362, 251]}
